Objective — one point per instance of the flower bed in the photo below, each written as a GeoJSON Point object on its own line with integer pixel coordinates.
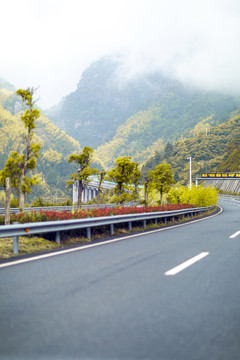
{"type": "Point", "coordinates": [33, 216]}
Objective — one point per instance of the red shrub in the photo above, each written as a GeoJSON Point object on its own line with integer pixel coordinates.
{"type": "Point", "coordinates": [52, 215]}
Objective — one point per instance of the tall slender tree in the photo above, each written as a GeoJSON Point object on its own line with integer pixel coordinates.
{"type": "Point", "coordinates": [31, 152]}
{"type": "Point", "coordinates": [9, 178]}
{"type": "Point", "coordinates": [161, 178]}
{"type": "Point", "coordinates": [123, 175]}
{"type": "Point", "coordinates": [101, 176]}
{"type": "Point", "coordinates": [135, 180]}
{"type": "Point", "coordinates": [146, 185]}
{"type": "Point", "coordinates": [83, 161]}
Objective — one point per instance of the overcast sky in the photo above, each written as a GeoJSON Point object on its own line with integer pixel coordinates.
{"type": "Point", "coordinates": [49, 43]}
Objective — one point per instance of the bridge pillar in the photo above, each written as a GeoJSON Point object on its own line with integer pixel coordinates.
{"type": "Point", "coordinates": [83, 194]}
{"type": "Point", "coordinates": [87, 194]}
{"type": "Point", "coordinates": [75, 193]}
{"type": "Point", "coordinates": [90, 190]}
{"type": "Point", "coordinates": [91, 193]}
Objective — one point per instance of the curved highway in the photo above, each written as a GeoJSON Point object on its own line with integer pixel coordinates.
{"type": "Point", "coordinates": [166, 295]}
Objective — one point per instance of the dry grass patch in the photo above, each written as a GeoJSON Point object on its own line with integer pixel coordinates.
{"type": "Point", "coordinates": [27, 245]}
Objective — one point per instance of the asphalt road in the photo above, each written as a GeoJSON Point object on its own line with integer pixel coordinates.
{"type": "Point", "coordinates": [118, 301]}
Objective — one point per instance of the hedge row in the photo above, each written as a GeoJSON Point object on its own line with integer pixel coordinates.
{"type": "Point", "coordinates": [33, 216]}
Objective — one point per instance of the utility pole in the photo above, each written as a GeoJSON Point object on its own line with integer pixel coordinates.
{"type": "Point", "coordinates": [190, 172]}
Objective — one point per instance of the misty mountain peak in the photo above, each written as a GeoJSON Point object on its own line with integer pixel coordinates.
{"type": "Point", "coordinates": [106, 98]}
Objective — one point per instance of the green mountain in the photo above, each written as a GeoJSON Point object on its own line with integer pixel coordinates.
{"type": "Point", "coordinates": [102, 102]}
{"type": "Point", "coordinates": [231, 158]}
{"type": "Point", "coordinates": [151, 118]}
{"type": "Point", "coordinates": [53, 168]}
{"type": "Point", "coordinates": [134, 117]}
{"type": "Point", "coordinates": [212, 148]}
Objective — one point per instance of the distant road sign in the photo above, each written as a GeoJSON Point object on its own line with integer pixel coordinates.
{"type": "Point", "coordinates": [220, 176]}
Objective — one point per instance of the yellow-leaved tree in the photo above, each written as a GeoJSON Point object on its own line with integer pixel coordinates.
{"type": "Point", "coordinates": [31, 151]}
{"type": "Point", "coordinates": [161, 178]}
{"type": "Point", "coordinates": [84, 170]}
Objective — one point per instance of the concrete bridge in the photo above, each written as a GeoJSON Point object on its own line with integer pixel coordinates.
{"type": "Point", "coordinates": [229, 182]}
{"type": "Point", "coordinates": [90, 190]}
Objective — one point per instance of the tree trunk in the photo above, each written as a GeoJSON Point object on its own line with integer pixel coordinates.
{"type": "Point", "coordinates": [24, 170]}
{"type": "Point", "coordinates": [80, 191]}
{"type": "Point", "coordinates": [98, 199]}
{"type": "Point", "coordinates": [161, 192]}
{"type": "Point", "coordinates": [146, 193]}
{"type": "Point", "coordinates": [99, 190]}
{"type": "Point", "coordinates": [8, 199]}
{"type": "Point", "coordinates": [21, 195]}
{"type": "Point", "coordinates": [21, 200]}
{"type": "Point", "coordinates": [135, 196]}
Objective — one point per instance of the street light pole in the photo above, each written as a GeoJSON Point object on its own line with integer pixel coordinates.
{"type": "Point", "coordinates": [190, 172]}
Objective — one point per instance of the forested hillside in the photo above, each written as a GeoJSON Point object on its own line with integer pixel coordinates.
{"type": "Point", "coordinates": [102, 102]}
{"type": "Point", "coordinates": [211, 148]}
{"type": "Point", "coordinates": [148, 131]}
{"type": "Point", "coordinates": [119, 116]}
{"type": "Point", "coordinates": [156, 120]}
{"type": "Point", "coordinates": [53, 168]}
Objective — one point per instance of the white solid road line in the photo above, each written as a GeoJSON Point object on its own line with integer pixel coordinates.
{"type": "Point", "coordinates": [186, 264]}
{"type": "Point", "coordinates": [234, 235]}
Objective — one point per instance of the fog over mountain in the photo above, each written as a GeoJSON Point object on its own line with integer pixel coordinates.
{"type": "Point", "coordinates": [128, 114]}
{"type": "Point", "coordinates": [51, 43]}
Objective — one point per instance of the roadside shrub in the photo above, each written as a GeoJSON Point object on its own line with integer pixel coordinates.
{"type": "Point", "coordinates": [14, 203]}
{"type": "Point", "coordinates": [39, 202]}
{"type": "Point", "coordinates": [199, 196]}
{"type": "Point", "coordinates": [52, 215]}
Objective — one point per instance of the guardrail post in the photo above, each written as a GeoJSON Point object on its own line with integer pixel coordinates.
{"type": "Point", "coordinates": [15, 245]}
{"type": "Point", "coordinates": [130, 226]}
{"type": "Point", "coordinates": [111, 229]}
{"type": "Point", "coordinates": [144, 224]}
{"type": "Point", "coordinates": [15, 242]}
{"type": "Point", "coordinates": [57, 237]}
{"type": "Point", "coordinates": [89, 233]}
{"type": "Point", "coordinates": [165, 220]}
{"type": "Point", "coordinates": [155, 221]}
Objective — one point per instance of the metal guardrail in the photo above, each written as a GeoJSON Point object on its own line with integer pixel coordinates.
{"type": "Point", "coordinates": [16, 230]}
{"type": "Point", "coordinates": [61, 208]}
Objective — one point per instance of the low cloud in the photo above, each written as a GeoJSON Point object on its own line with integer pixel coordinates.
{"type": "Point", "coordinates": [50, 43]}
